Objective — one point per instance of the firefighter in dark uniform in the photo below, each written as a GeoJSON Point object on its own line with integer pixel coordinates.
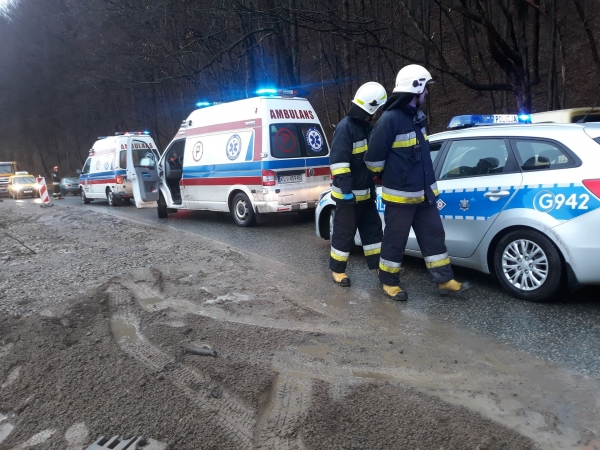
{"type": "Point", "coordinates": [56, 193]}
{"type": "Point", "coordinates": [353, 188]}
{"type": "Point", "coordinates": [399, 150]}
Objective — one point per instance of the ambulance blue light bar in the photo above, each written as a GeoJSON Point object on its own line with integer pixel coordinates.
{"type": "Point", "coordinates": [131, 133]}
{"type": "Point", "coordinates": [474, 120]}
{"type": "Point", "coordinates": [272, 91]}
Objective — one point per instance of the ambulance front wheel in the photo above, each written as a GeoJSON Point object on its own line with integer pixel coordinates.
{"type": "Point", "coordinates": [162, 207]}
{"type": "Point", "coordinates": [241, 210]}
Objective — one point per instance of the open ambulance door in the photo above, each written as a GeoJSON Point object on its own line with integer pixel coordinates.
{"type": "Point", "coordinates": [142, 170]}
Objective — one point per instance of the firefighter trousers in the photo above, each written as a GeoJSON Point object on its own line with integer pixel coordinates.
{"type": "Point", "coordinates": [348, 218]}
{"type": "Point", "coordinates": [56, 189]}
{"type": "Point", "coordinates": [426, 222]}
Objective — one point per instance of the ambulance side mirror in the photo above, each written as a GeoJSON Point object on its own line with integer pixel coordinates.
{"type": "Point", "coordinates": [78, 171]}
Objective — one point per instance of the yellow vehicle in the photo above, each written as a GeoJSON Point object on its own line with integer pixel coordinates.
{"type": "Point", "coordinates": [7, 169]}
{"type": "Point", "coordinates": [567, 115]}
{"type": "Point", "coordinates": [22, 184]}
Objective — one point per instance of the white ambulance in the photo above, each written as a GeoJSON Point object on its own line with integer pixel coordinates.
{"type": "Point", "coordinates": [265, 154]}
{"type": "Point", "coordinates": [114, 164]}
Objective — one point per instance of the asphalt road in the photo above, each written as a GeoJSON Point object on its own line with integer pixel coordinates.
{"type": "Point", "coordinates": [566, 332]}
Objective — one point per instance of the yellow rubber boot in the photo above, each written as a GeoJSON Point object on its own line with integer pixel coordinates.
{"type": "Point", "coordinates": [453, 286]}
{"type": "Point", "coordinates": [395, 292]}
{"type": "Point", "coordinates": [341, 279]}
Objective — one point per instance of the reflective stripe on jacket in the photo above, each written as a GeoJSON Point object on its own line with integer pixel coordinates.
{"type": "Point", "coordinates": [349, 145]}
{"type": "Point", "coordinates": [399, 147]}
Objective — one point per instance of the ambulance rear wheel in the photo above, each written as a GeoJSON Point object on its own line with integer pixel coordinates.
{"type": "Point", "coordinates": [241, 210]}
{"type": "Point", "coordinates": [84, 199]}
{"type": "Point", "coordinates": [112, 200]}
{"type": "Point", "coordinates": [162, 207]}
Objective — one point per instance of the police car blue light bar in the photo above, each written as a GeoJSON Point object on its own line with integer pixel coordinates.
{"type": "Point", "coordinates": [473, 120]}
{"type": "Point", "coordinates": [202, 104]}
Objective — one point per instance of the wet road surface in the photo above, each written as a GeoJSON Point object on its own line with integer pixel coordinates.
{"type": "Point", "coordinates": [565, 332]}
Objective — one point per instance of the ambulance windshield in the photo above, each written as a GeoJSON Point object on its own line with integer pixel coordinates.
{"type": "Point", "coordinates": [297, 140]}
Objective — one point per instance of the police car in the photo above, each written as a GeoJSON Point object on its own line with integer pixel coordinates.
{"type": "Point", "coordinates": [520, 201]}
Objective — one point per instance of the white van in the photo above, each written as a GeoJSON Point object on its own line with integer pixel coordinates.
{"type": "Point", "coordinates": [113, 165]}
{"type": "Point", "coordinates": [253, 156]}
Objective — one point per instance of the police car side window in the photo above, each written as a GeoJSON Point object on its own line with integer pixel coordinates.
{"type": "Point", "coordinates": [541, 155]}
{"type": "Point", "coordinates": [475, 157]}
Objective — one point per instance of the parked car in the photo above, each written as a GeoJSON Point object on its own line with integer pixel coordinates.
{"type": "Point", "coordinates": [70, 184]}
{"type": "Point", "coordinates": [519, 201]}
{"type": "Point", "coordinates": [21, 185]}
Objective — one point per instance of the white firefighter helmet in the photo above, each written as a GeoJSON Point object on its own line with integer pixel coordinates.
{"type": "Point", "coordinates": [412, 79]}
{"type": "Point", "coordinates": [370, 96]}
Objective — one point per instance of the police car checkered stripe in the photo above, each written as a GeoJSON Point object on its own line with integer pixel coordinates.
{"type": "Point", "coordinates": [359, 147]}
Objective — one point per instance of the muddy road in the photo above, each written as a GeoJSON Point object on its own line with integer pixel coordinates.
{"type": "Point", "coordinates": [102, 320]}
{"type": "Point", "coordinates": [565, 332]}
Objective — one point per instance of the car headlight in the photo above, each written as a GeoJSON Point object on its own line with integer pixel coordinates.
{"type": "Point", "coordinates": [18, 187]}
{"type": "Point", "coordinates": [36, 186]}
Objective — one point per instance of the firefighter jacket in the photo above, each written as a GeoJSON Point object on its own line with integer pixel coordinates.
{"type": "Point", "coordinates": [352, 181]}
{"type": "Point", "coordinates": [55, 178]}
{"type": "Point", "coordinates": [399, 148]}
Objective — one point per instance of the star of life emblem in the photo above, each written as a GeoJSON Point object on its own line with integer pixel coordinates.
{"type": "Point", "coordinates": [440, 204]}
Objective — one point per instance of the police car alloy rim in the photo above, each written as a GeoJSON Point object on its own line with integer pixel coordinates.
{"type": "Point", "coordinates": [525, 265]}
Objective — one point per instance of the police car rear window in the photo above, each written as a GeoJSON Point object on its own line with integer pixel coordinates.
{"type": "Point", "coordinates": [297, 140]}
{"type": "Point", "coordinates": [541, 155]}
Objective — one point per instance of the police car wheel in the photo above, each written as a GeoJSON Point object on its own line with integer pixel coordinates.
{"type": "Point", "coordinates": [241, 210]}
{"type": "Point", "coordinates": [528, 265]}
{"type": "Point", "coordinates": [84, 199]}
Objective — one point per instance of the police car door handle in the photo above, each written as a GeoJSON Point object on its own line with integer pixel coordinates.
{"type": "Point", "coordinates": [496, 195]}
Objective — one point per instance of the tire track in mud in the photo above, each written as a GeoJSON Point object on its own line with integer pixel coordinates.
{"type": "Point", "coordinates": [280, 423]}
{"type": "Point", "coordinates": [235, 418]}
{"type": "Point", "coordinates": [152, 300]}
{"type": "Point", "coordinates": [281, 419]}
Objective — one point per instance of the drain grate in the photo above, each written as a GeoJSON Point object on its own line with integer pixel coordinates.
{"type": "Point", "coordinates": [134, 443]}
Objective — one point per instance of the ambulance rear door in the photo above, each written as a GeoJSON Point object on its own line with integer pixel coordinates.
{"type": "Point", "coordinates": [287, 163]}
{"type": "Point", "coordinates": [142, 169]}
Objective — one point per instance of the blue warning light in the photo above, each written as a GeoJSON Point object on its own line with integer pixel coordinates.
{"type": "Point", "coordinates": [202, 104]}
{"type": "Point", "coordinates": [473, 120]}
{"type": "Point", "coordinates": [146, 132]}
{"type": "Point", "coordinates": [264, 91]}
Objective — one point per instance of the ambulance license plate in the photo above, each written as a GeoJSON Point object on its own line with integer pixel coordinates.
{"type": "Point", "coordinates": [284, 179]}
